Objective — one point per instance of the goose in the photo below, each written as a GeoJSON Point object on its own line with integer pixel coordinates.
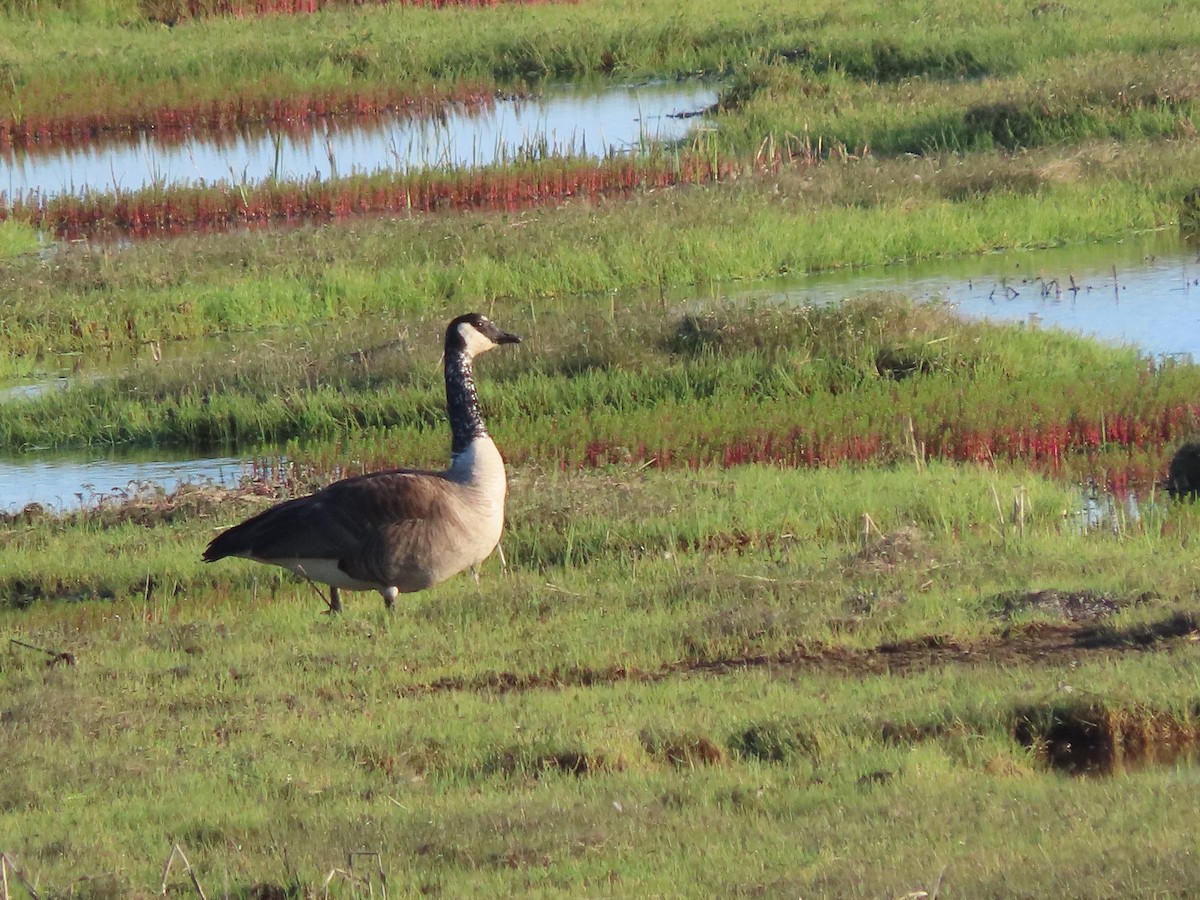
{"type": "Point", "coordinates": [399, 530]}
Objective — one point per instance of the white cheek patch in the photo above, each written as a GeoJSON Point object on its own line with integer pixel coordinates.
{"type": "Point", "coordinates": [475, 341]}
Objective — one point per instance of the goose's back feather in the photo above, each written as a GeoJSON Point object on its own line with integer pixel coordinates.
{"type": "Point", "coordinates": [404, 528]}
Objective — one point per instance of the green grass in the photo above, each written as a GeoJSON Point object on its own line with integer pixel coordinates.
{"type": "Point", "coordinates": [716, 564]}
{"type": "Point", "coordinates": [82, 300]}
{"type": "Point", "coordinates": [640, 385]}
{"type": "Point", "coordinates": [645, 828]}
{"type": "Point", "coordinates": [397, 45]}
{"type": "Point", "coordinates": [1117, 95]}
{"type": "Point", "coordinates": [827, 659]}
{"type": "Point", "coordinates": [223, 712]}
{"type": "Point", "coordinates": [16, 238]}
{"type": "Point", "coordinates": [777, 677]}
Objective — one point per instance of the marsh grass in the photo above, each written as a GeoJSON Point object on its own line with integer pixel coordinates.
{"type": "Point", "coordinates": [876, 379]}
{"type": "Point", "coordinates": [16, 238]}
{"type": "Point", "coordinates": [269, 740]}
{"type": "Point", "coordinates": [397, 45]}
{"type": "Point", "coordinates": [368, 48]}
{"type": "Point", "coordinates": [718, 664]}
{"type": "Point", "coordinates": [99, 299]}
{"type": "Point", "coordinates": [718, 562]}
{"type": "Point", "coordinates": [825, 87]}
{"type": "Point", "coordinates": [1114, 96]}
{"type": "Point", "coordinates": [772, 655]}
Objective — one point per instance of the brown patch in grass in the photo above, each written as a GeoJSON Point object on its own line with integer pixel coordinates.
{"type": "Point", "coordinates": [150, 505]}
{"type": "Point", "coordinates": [144, 506]}
{"type": "Point", "coordinates": [1073, 606]}
{"type": "Point", "coordinates": [569, 762]}
{"type": "Point", "coordinates": [884, 553]}
{"type": "Point", "coordinates": [265, 891]}
{"type": "Point", "coordinates": [1144, 634]}
{"type": "Point", "coordinates": [684, 751]}
{"type": "Point", "coordinates": [879, 776]}
{"type": "Point", "coordinates": [1004, 766]}
{"type": "Point", "coordinates": [97, 887]}
{"type": "Point", "coordinates": [714, 332]}
{"type": "Point", "coordinates": [53, 657]}
{"type": "Point", "coordinates": [982, 184]}
{"type": "Point", "coordinates": [865, 603]}
{"type": "Point", "coordinates": [1092, 739]}
{"type": "Point", "coordinates": [521, 761]}
{"type": "Point", "coordinates": [737, 542]}
{"type": "Point", "coordinates": [1036, 644]}
{"type": "Point", "coordinates": [900, 364]}
{"type": "Point", "coordinates": [908, 733]}
{"type": "Point", "coordinates": [376, 760]}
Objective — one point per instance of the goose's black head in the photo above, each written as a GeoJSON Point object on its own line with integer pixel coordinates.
{"type": "Point", "coordinates": [475, 333]}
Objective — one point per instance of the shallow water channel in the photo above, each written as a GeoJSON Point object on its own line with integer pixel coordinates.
{"type": "Point", "coordinates": [71, 481]}
{"type": "Point", "coordinates": [1143, 292]}
{"type": "Point", "coordinates": [562, 121]}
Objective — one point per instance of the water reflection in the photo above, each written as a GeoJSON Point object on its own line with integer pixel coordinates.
{"type": "Point", "coordinates": [1143, 292]}
{"type": "Point", "coordinates": [563, 121]}
{"type": "Point", "coordinates": [69, 481]}
{"type": "Point", "coordinates": [28, 390]}
{"type": "Point", "coordinates": [1102, 510]}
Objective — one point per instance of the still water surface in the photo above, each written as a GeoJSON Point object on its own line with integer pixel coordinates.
{"type": "Point", "coordinates": [563, 121]}
{"type": "Point", "coordinates": [1143, 292]}
{"type": "Point", "coordinates": [69, 481]}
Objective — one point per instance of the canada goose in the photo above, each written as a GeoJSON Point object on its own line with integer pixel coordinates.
{"type": "Point", "coordinates": [400, 530]}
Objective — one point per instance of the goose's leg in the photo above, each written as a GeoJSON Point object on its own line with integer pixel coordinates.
{"type": "Point", "coordinates": [389, 596]}
{"type": "Point", "coordinates": [335, 600]}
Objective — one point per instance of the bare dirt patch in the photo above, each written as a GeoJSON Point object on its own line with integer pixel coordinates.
{"type": "Point", "coordinates": [881, 553]}
{"type": "Point", "coordinates": [1072, 606]}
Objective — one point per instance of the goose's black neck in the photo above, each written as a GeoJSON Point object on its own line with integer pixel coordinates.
{"type": "Point", "coordinates": [462, 403]}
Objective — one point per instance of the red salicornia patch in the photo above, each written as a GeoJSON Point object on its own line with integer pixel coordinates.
{"type": "Point", "coordinates": [228, 117]}
{"type": "Point", "coordinates": [167, 211]}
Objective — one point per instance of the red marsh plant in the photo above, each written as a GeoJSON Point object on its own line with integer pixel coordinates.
{"type": "Point", "coordinates": [805, 387]}
{"type": "Point", "coordinates": [1055, 449]}
{"type": "Point", "coordinates": [165, 211]}
{"type": "Point", "coordinates": [229, 117]}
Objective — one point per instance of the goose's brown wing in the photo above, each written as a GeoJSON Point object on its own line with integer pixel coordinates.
{"type": "Point", "coordinates": [370, 525]}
